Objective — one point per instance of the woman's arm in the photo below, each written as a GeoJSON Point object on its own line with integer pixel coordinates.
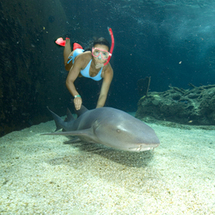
{"type": "Point", "coordinates": [108, 76]}
{"type": "Point", "coordinates": [72, 76]}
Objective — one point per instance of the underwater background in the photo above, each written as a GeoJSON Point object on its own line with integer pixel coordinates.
{"type": "Point", "coordinates": [171, 41]}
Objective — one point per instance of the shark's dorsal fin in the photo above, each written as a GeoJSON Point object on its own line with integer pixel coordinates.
{"type": "Point", "coordinates": [82, 110]}
{"type": "Point", "coordinates": [69, 116]}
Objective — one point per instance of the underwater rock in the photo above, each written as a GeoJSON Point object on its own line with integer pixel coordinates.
{"type": "Point", "coordinates": [191, 106]}
{"type": "Point", "coordinates": [28, 59]}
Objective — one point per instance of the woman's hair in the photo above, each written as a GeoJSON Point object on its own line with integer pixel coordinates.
{"type": "Point", "coordinates": [101, 41]}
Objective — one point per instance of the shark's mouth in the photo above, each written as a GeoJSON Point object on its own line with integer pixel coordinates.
{"type": "Point", "coordinates": [143, 147]}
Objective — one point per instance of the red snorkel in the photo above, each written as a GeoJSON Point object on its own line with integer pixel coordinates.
{"type": "Point", "coordinates": [112, 45]}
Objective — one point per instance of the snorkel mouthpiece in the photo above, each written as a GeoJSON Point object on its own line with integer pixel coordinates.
{"type": "Point", "coordinates": [112, 45]}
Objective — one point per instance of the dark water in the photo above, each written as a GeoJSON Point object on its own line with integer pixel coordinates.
{"type": "Point", "coordinates": [171, 41]}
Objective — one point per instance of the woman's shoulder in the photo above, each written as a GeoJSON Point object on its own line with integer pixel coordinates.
{"type": "Point", "coordinates": [86, 54]}
{"type": "Point", "coordinates": [108, 71]}
{"type": "Point", "coordinates": [108, 68]}
{"type": "Point", "coordinates": [83, 58]}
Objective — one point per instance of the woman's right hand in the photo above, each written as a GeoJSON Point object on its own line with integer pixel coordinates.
{"type": "Point", "coordinates": [78, 103]}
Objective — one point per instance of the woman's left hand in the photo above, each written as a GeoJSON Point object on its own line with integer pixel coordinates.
{"type": "Point", "coordinates": [78, 103]}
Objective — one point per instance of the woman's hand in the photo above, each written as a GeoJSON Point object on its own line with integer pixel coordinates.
{"type": "Point", "coordinates": [78, 103]}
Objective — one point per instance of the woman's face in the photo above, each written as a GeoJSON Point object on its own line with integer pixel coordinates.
{"type": "Point", "coordinates": [100, 55]}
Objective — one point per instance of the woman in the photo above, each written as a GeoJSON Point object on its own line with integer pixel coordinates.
{"type": "Point", "coordinates": [92, 64]}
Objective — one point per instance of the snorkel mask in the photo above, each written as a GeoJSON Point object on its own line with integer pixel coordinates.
{"type": "Point", "coordinates": [100, 53]}
{"type": "Point", "coordinates": [112, 45]}
{"type": "Point", "coordinates": [103, 54]}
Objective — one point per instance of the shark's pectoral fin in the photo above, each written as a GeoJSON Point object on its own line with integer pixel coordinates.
{"type": "Point", "coordinates": [73, 140]}
{"type": "Point", "coordinates": [80, 133]}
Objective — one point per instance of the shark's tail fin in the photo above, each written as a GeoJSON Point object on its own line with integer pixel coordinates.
{"type": "Point", "coordinates": [57, 119]}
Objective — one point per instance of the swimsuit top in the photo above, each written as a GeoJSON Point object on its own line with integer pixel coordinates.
{"type": "Point", "coordinates": [85, 72]}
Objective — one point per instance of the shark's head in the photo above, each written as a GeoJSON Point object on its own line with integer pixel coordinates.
{"type": "Point", "coordinates": [122, 131]}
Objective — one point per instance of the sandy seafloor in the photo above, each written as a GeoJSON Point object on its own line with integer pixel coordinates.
{"type": "Point", "coordinates": [42, 175]}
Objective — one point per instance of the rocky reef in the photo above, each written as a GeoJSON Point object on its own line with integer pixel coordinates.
{"type": "Point", "coordinates": [188, 106]}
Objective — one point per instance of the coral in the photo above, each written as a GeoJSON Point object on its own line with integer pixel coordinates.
{"type": "Point", "coordinates": [191, 106]}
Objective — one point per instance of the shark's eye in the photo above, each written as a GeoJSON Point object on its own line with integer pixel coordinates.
{"type": "Point", "coordinates": [118, 130]}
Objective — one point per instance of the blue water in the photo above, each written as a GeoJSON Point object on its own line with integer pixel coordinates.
{"type": "Point", "coordinates": [171, 41]}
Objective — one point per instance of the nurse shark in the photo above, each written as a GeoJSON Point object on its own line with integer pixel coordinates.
{"type": "Point", "coordinates": [108, 126]}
